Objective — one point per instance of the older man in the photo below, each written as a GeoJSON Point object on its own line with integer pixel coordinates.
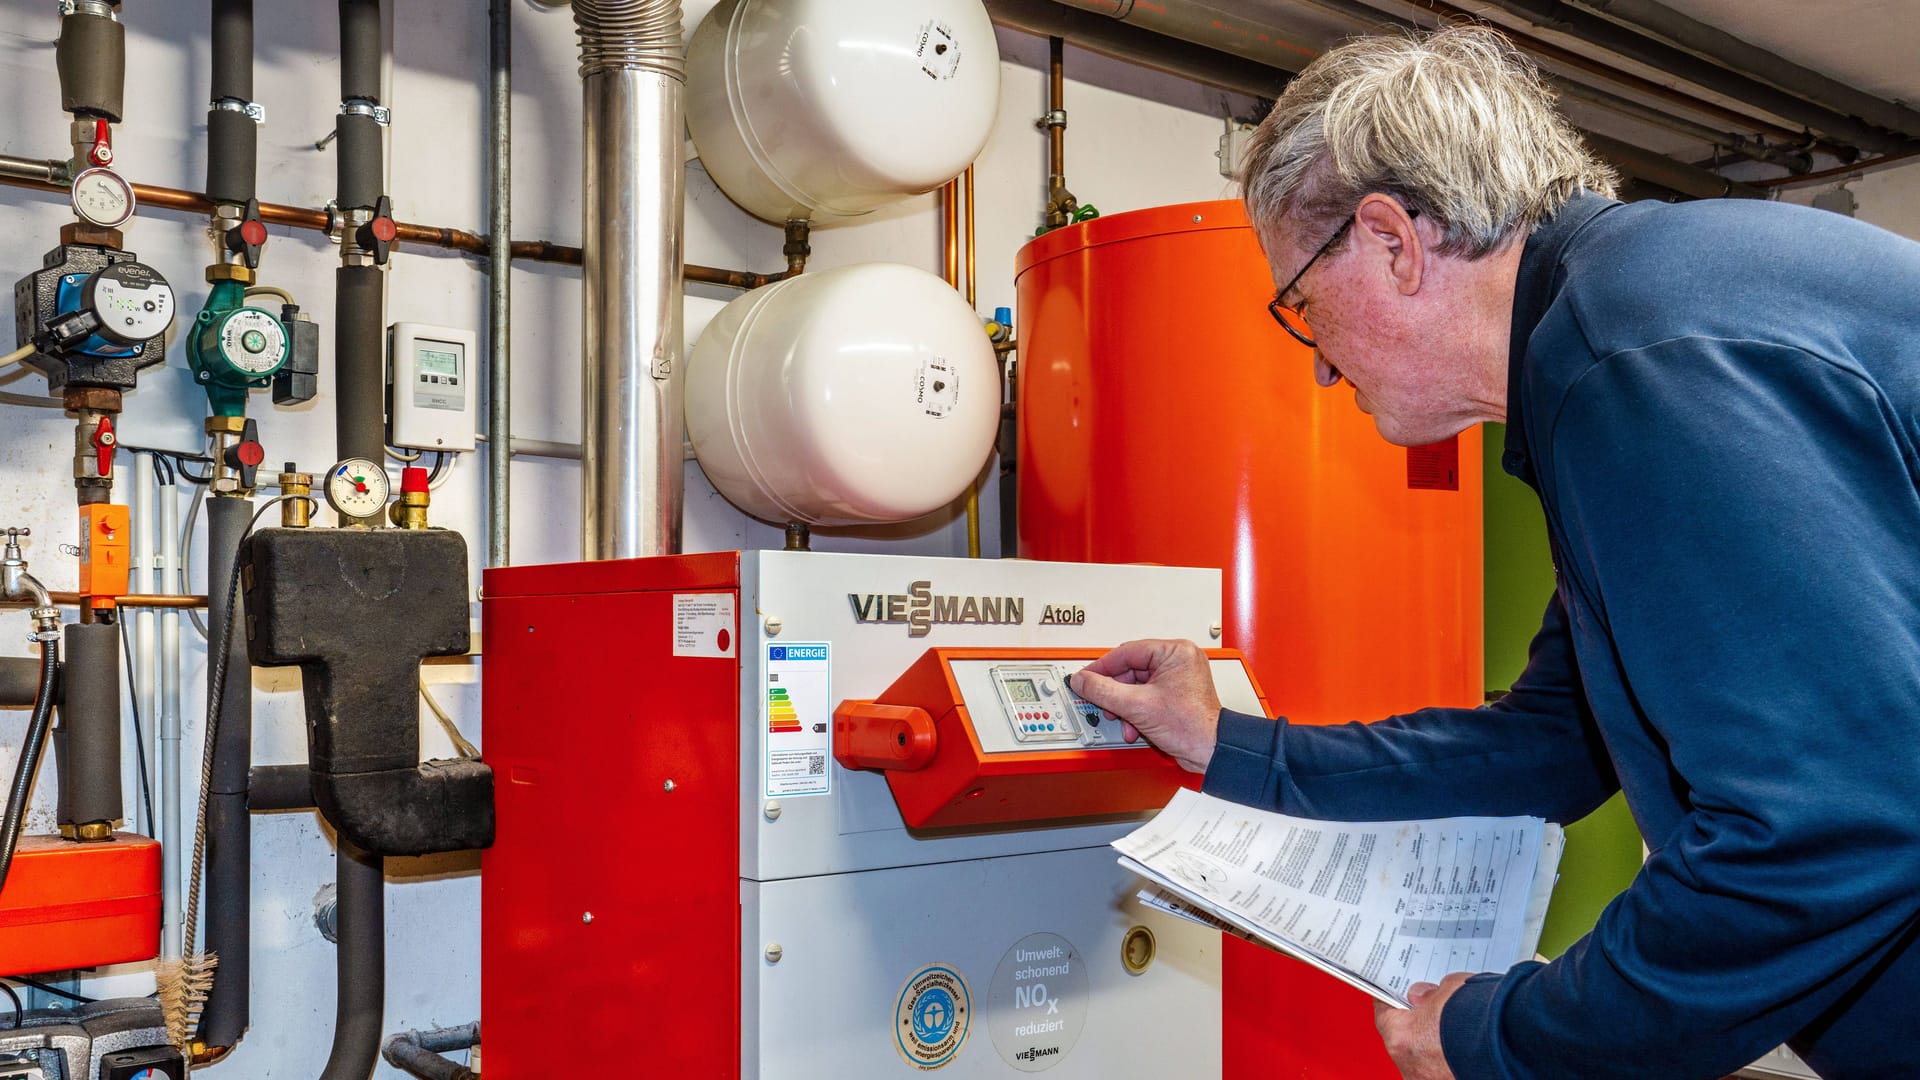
{"type": "Point", "coordinates": [1719, 406]}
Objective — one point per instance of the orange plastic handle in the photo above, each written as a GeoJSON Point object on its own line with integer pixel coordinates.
{"type": "Point", "coordinates": [870, 736]}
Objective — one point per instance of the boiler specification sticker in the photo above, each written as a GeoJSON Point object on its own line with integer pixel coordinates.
{"type": "Point", "coordinates": [938, 51]}
{"type": "Point", "coordinates": [703, 624]}
{"type": "Point", "coordinates": [932, 1016]}
{"type": "Point", "coordinates": [1037, 1005]}
{"type": "Point", "coordinates": [797, 712]}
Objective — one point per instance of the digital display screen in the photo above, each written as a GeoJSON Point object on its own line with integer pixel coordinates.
{"type": "Point", "coordinates": [437, 361]}
{"type": "Point", "coordinates": [1021, 690]}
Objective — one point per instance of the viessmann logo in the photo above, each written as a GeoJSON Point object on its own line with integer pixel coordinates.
{"type": "Point", "coordinates": [920, 608]}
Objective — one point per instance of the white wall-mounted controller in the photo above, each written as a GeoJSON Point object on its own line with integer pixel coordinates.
{"type": "Point", "coordinates": [431, 387]}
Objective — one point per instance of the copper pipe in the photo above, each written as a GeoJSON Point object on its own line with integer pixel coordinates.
{"type": "Point", "coordinates": [973, 490]}
{"type": "Point", "coordinates": [1056, 102]}
{"type": "Point", "coordinates": [1838, 170]}
{"type": "Point", "coordinates": [950, 230]}
{"type": "Point", "coordinates": [139, 600]}
{"type": "Point", "coordinates": [972, 301]}
{"type": "Point", "coordinates": [192, 202]}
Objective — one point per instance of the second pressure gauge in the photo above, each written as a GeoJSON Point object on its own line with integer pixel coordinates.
{"type": "Point", "coordinates": [358, 488]}
{"type": "Point", "coordinates": [103, 197]}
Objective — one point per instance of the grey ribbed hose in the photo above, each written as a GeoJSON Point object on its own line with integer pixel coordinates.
{"type": "Point", "coordinates": [636, 34]}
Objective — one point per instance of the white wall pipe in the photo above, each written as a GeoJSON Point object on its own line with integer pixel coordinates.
{"type": "Point", "coordinates": [144, 690]}
{"type": "Point", "coordinates": [167, 737]}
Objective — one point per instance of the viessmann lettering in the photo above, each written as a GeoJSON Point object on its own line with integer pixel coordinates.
{"type": "Point", "coordinates": [920, 608]}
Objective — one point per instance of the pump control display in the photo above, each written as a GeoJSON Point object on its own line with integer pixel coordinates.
{"type": "Point", "coordinates": [132, 302]}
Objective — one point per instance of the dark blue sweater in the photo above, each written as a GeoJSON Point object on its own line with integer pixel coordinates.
{"type": "Point", "coordinates": [1719, 405]}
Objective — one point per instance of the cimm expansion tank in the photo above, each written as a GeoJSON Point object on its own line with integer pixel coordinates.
{"type": "Point", "coordinates": [1164, 417]}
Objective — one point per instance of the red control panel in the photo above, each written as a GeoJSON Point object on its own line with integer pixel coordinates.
{"type": "Point", "coordinates": [972, 737]}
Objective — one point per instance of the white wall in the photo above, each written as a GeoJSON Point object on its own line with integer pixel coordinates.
{"type": "Point", "coordinates": [1136, 139]}
{"type": "Point", "coordinates": [1889, 198]}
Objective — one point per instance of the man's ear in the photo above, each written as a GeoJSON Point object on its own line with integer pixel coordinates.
{"type": "Point", "coordinates": [1387, 228]}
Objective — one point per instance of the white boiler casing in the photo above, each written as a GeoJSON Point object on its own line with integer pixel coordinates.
{"type": "Point", "coordinates": [828, 109]}
{"type": "Point", "coordinates": [861, 394]}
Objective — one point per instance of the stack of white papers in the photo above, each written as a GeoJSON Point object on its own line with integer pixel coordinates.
{"type": "Point", "coordinates": [1380, 905]}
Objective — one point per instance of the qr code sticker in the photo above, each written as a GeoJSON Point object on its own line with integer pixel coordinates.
{"type": "Point", "coordinates": [817, 765]}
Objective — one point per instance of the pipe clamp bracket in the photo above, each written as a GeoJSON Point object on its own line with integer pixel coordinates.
{"type": "Point", "coordinates": [362, 107]}
{"type": "Point", "coordinates": [254, 110]}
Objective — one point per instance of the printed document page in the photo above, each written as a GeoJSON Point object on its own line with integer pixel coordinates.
{"type": "Point", "coordinates": [1380, 905]}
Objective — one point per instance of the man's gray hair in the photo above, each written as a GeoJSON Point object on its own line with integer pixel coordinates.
{"type": "Point", "coordinates": [1455, 123]}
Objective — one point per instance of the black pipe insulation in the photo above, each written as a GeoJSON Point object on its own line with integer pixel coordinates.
{"type": "Point", "coordinates": [92, 61]}
{"type": "Point", "coordinates": [359, 363]}
{"type": "Point", "coordinates": [280, 787]}
{"type": "Point", "coordinates": [229, 831]}
{"type": "Point", "coordinates": [233, 50]}
{"type": "Point", "coordinates": [233, 138]}
{"type": "Point", "coordinates": [19, 681]}
{"type": "Point", "coordinates": [358, 165]}
{"type": "Point", "coordinates": [86, 745]}
{"type": "Point", "coordinates": [360, 45]}
{"type": "Point", "coordinates": [20, 792]}
{"type": "Point", "coordinates": [361, 959]}
{"type": "Point", "coordinates": [419, 1052]}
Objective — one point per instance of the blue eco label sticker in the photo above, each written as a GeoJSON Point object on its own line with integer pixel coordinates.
{"type": "Point", "coordinates": [932, 1016]}
{"type": "Point", "coordinates": [797, 712]}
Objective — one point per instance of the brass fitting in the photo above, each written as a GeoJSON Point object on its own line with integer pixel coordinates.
{"type": "Point", "coordinates": [297, 511]}
{"type": "Point", "coordinates": [240, 272]}
{"type": "Point", "coordinates": [409, 511]}
{"type": "Point", "coordinates": [226, 425]}
{"type": "Point", "coordinates": [92, 832]}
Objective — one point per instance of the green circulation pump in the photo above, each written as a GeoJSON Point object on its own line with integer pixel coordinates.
{"type": "Point", "coordinates": [234, 348]}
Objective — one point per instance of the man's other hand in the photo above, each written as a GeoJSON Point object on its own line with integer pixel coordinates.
{"type": "Point", "coordinates": [1161, 689]}
{"type": "Point", "coordinates": [1412, 1035]}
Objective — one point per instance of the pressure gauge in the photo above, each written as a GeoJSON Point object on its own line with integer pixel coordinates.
{"type": "Point", "coordinates": [358, 488]}
{"type": "Point", "coordinates": [103, 197]}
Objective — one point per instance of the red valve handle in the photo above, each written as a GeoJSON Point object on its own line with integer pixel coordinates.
{"type": "Point", "coordinates": [102, 152]}
{"type": "Point", "coordinates": [104, 440]}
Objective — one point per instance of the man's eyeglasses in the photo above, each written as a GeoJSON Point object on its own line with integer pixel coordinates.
{"type": "Point", "coordinates": [1289, 319]}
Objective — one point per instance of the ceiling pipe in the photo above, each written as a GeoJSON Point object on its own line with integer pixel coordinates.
{"type": "Point", "coordinates": [1594, 30]}
{"type": "Point", "coordinates": [1229, 32]}
{"type": "Point", "coordinates": [633, 74]}
{"type": "Point", "coordinates": [1652, 17]}
{"type": "Point", "coordinates": [1644, 164]}
{"type": "Point", "coordinates": [1182, 59]}
{"type": "Point", "coordinates": [1794, 159]}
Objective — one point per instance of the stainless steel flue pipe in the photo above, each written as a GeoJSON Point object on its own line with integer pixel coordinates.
{"type": "Point", "coordinates": [633, 67]}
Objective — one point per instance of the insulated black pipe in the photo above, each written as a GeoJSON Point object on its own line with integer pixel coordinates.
{"type": "Point", "coordinates": [229, 831]}
{"type": "Point", "coordinates": [360, 49]}
{"type": "Point", "coordinates": [86, 745]}
{"type": "Point", "coordinates": [361, 959]}
{"type": "Point", "coordinates": [359, 372]}
{"type": "Point", "coordinates": [359, 164]}
{"type": "Point", "coordinates": [19, 681]}
{"type": "Point", "coordinates": [20, 791]}
{"type": "Point", "coordinates": [280, 787]}
{"type": "Point", "coordinates": [92, 60]}
{"type": "Point", "coordinates": [232, 137]}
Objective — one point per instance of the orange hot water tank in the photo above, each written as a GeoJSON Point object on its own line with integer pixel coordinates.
{"type": "Point", "coordinates": [1164, 417]}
